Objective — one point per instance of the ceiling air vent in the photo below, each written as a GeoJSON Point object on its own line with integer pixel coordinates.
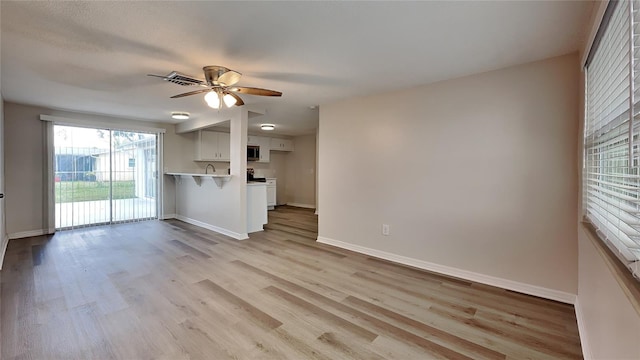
{"type": "Point", "coordinates": [181, 79]}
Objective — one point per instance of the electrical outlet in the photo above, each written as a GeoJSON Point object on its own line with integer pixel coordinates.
{"type": "Point", "coordinates": [385, 229]}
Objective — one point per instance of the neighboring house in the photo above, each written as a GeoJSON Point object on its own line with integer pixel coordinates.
{"type": "Point", "coordinates": [132, 161]}
{"type": "Point", "coordinates": [75, 164]}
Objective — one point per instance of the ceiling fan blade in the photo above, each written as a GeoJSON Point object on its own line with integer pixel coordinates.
{"type": "Point", "coordinates": [239, 101]}
{"type": "Point", "coordinates": [191, 93]}
{"type": "Point", "coordinates": [255, 91]}
{"type": "Point", "coordinates": [229, 78]}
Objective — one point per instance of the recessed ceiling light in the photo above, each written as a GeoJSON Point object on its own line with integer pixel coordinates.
{"type": "Point", "coordinates": [180, 115]}
{"type": "Point", "coordinates": [313, 107]}
{"type": "Point", "coordinates": [267, 127]}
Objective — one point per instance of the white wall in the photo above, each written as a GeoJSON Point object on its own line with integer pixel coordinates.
{"type": "Point", "coordinates": [24, 163]}
{"type": "Point", "coordinates": [301, 172]}
{"type": "Point", "coordinates": [476, 174]}
{"type": "Point", "coordinates": [610, 326]}
{"type": "Point", "coordinates": [220, 209]}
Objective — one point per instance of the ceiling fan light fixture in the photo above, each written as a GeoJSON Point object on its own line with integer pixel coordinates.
{"type": "Point", "coordinates": [218, 86]}
{"type": "Point", "coordinates": [267, 127]}
{"type": "Point", "coordinates": [229, 100]}
{"type": "Point", "coordinates": [180, 115]}
{"type": "Point", "coordinates": [212, 99]}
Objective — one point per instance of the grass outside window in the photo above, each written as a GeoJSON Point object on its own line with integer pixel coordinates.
{"type": "Point", "coordinates": [76, 191]}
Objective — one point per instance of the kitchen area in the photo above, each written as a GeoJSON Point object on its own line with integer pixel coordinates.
{"type": "Point", "coordinates": [211, 178]}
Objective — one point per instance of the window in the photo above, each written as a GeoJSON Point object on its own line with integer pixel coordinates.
{"type": "Point", "coordinates": [611, 180]}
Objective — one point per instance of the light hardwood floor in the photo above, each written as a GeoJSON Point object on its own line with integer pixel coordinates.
{"type": "Point", "coordinates": [170, 290]}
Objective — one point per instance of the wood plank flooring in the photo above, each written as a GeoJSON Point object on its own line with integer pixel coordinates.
{"type": "Point", "coordinates": [170, 290]}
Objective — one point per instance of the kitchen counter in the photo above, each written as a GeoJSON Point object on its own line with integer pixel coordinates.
{"type": "Point", "coordinates": [212, 204]}
{"type": "Point", "coordinates": [197, 174]}
{"type": "Point", "coordinates": [197, 177]}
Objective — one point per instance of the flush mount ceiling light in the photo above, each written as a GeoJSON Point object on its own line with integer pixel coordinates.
{"type": "Point", "coordinates": [267, 127]}
{"type": "Point", "coordinates": [180, 115]}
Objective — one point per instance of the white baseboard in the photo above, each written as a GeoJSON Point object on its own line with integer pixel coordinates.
{"type": "Point", "coordinates": [26, 234]}
{"type": "Point", "coordinates": [582, 330]}
{"type": "Point", "coordinates": [3, 251]}
{"type": "Point", "coordinates": [528, 289]}
{"type": "Point", "coordinates": [217, 229]}
{"type": "Point", "coordinates": [306, 206]}
{"type": "Point", "coordinates": [168, 216]}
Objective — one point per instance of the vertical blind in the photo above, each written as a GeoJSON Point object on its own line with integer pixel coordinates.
{"type": "Point", "coordinates": [103, 176]}
{"type": "Point", "coordinates": [611, 181]}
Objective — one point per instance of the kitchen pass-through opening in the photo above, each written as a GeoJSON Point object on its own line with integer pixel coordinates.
{"type": "Point", "coordinates": [104, 176]}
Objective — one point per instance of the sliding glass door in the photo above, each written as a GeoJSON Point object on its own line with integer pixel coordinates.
{"type": "Point", "coordinates": [104, 176]}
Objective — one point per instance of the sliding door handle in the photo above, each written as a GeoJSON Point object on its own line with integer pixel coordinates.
{"type": "Point", "coordinates": [1, 196]}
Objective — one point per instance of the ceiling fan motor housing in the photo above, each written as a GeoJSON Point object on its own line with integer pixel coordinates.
{"type": "Point", "coordinates": [220, 75]}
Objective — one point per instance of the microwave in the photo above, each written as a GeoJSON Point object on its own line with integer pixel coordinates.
{"type": "Point", "coordinates": [253, 153]}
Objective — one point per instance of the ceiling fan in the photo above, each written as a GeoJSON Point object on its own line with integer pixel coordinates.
{"type": "Point", "coordinates": [218, 85]}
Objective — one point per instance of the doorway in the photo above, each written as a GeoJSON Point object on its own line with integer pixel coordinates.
{"type": "Point", "coordinates": [104, 176]}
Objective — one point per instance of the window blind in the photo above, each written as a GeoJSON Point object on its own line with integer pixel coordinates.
{"type": "Point", "coordinates": [611, 181]}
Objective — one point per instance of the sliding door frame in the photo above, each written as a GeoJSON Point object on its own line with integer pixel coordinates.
{"type": "Point", "coordinates": [49, 175]}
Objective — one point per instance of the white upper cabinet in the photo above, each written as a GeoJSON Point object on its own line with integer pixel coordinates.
{"type": "Point", "coordinates": [265, 145]}
{"type": "Point", "coordinates": [206, 145]}
{"type": "Point", "coordinates": [213, 146]}
{"type": "Point", "coordinates": [252, 140]}
{"type": "Point", "coordinates": [281, 144]}
{"type": "Point", "coordinates": [224, 147]}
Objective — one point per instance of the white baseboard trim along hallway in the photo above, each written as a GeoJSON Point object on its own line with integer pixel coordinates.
{"type": "Point", "coordinates": [26, 234]}
{"type": "Point", "coordinates": [528, 289]}
{"type": "Point", "coordinates": [582, 331]}
{"type": "Point", "coordinates": [306, 206]}
{"type": "Point", "coordinates": [167, 216]}
{"type": "Point", "coordinates": [220, 230]}
{"type": "Point", "coordinates": [3, 251]}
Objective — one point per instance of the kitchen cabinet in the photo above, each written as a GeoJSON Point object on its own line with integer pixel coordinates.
{"type": "Point", "coordinates": [271, 193]}
{"type": "Point", "coordinates": [256, 207]}
{"type": "Point", "coordinates": [213, 146]}
{"type": "Point", "coordinates": [281, 144]}
{"type": "Point", "coordinates": [253, 140]}
{"type": "Point", "coordinates": [265, 146]}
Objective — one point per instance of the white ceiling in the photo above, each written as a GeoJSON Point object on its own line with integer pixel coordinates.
{"type": "Point", "coordinates": [94, 56]}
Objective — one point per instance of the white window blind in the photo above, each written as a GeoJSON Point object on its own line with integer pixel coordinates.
{"type": "Point", "coordinates": [611, 181]}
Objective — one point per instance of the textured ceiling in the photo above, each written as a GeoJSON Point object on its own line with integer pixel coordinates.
{"type": "Point", "coordinates": [93, 56]}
